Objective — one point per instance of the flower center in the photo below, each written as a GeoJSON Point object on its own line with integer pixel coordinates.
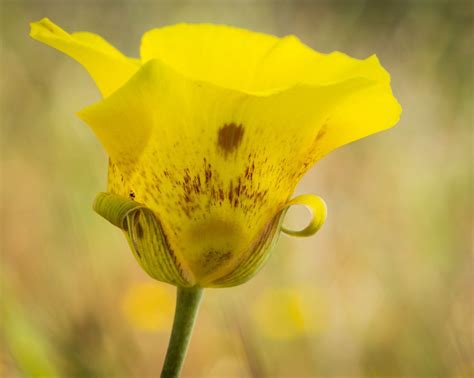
{"type": "Point", "coordinates": [212, 246]}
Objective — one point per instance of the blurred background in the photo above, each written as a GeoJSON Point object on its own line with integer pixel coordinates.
{"type": "Point", "coordinates": [383, 290]}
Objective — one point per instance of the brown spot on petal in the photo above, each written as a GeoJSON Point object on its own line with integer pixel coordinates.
{"type": "Point", "coordinates": [229, 138]}
{"type": "Point", "coordinates": [213, 259]}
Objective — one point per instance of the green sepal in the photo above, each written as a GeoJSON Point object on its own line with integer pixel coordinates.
{"type": "Point", "coordinates": [145, 236]}
{"type": "Point", "coordinates": [115, 208]}
{"type": "Point", "coordinates": [257, 255]}
{"type": "Point", "coordinates": [318, 209]}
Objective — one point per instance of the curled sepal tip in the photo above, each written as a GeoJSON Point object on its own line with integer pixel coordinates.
{"type": "Point", "coordinates": [115, 208]}
{"type": "Point", "coordinates": [318, 209]}
{"type": "Point", "coordinates": [145, 236]}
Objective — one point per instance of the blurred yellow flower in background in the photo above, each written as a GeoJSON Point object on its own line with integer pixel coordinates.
{"type": "Point", "coordinates": [289, 313]}
{"type": "Point", "coordinates": [148, 306]}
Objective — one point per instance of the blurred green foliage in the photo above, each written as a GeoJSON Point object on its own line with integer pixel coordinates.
{"type": "Point", "coordinates": [385, 288]}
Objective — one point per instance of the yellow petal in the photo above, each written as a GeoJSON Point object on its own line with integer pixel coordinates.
{"type": "Point", "coordinates": [222, 55]}
{"type": "Point", "coordinates": [248, 61]}
{"type": "Point", "coordinates": [212, 161]}
{"type": "Point", "coordinates": [109, 68]}
{"type": "Point", "coordinates": [259, 64]}
{"type": "Point", "coordinates": [359, 115]}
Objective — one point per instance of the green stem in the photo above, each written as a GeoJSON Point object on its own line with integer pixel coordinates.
{"type": "Point", "coordinates": [187, 304]}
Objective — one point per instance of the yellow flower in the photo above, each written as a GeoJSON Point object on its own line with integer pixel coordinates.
{"type": "Point", "coordinates": [148, 306]}
{"type": "Point", "coordinates": [289, 313]}
{"type": "Point", "coordinates": [209, 132]}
